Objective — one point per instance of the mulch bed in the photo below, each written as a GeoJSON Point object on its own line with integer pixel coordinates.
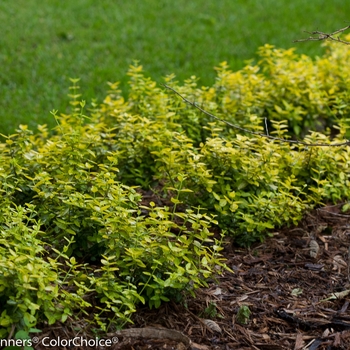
{"type": "Point", "coordinates": [295, 284]}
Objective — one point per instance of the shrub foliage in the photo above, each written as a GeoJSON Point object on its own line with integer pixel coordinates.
{"type": "Point", "coordinates": [77, 235]}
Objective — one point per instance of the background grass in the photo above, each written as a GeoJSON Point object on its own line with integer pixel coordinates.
{"type": "Point", "coordinates": [43, 43]}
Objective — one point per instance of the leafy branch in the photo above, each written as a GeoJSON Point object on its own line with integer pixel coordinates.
{"type": "Point", "coordinates": [194, 104]}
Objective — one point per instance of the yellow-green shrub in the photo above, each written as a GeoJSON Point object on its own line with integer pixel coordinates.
{"type": "Point", "coordinates": [73, 193]}
{"type": "Point", "coordinates": [86, 222]}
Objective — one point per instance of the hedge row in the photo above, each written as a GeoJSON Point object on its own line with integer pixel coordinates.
{"type": "Point", "coordinates": [76, 231]}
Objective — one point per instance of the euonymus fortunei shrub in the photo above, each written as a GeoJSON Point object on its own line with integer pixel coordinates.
{"type": "Point", "coordinates": [70, 229]}
{"type": "Point", "coordinates": [78, 238]}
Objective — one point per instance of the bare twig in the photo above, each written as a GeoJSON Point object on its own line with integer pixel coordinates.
{"type": "Point", "coordinates": [13, 328]}
{"type": "Point", "coordinates": [317, 36]}
{"type": "Point", "coordinates": [335, 214]}
{"type": "Point", "coordinates": [194, 104]}
{"type": "Point", "coordinates": [267, 130]}
{"type": "Point", "coordinates": [349, 264]}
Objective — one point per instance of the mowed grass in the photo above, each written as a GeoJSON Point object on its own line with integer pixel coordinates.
{"type": "Point", "coordinates": [44, 43]}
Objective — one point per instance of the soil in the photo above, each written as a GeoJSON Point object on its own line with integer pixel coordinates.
{"type": "Point", "coordinates": [295, 285]}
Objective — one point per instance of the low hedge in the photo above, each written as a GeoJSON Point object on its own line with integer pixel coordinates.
{"type": "Point", "coordinates": [76, 231]}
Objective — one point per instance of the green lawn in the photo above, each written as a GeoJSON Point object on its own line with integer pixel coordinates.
{"type": "Point", "coordinates": [43, 43]}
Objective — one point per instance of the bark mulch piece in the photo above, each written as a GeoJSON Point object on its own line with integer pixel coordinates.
{"type": "Point", "coordinates": [295, 284]}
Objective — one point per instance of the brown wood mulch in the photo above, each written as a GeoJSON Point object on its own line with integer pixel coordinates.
{"type": "Point", "coordinates": [295, 284]}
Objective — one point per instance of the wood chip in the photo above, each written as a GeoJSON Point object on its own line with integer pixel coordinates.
{"type": "Point", "coordinates": [212, 325]}
{"type": "Point", "coordinates": [152, 333]}
{"type": "Point", "coordinates": [314, 248]}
